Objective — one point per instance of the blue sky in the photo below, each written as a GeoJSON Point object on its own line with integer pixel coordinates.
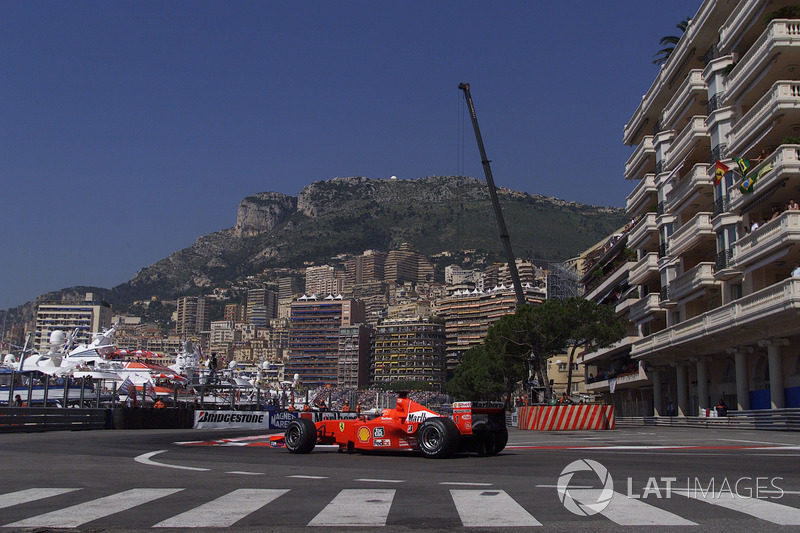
{"type": "Point", "coordinates": [130, 128]}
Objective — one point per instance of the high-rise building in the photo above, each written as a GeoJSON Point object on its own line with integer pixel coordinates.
{"type": "Point", "coordinates": [87, 317]}
{"type": "Point", "coordinates": [354, 354]}
{"type": "Point", "coordinates": [314, 337]}
{"type": "Point", "coordinates": [194, 316]}
{"type": "Point", "coordinates": [234, 312]}
{"type": "Point", "coordinates": [704, 270]}
{"type": "Point", "coordinates": [262, 306]}
{"type": "Point", "coordinates": [468, 316]}
{"type": "Point", "coordinates": [406, 264]}
{"type": "Point", "coordinates": [365, 268]}
{"type": "Point", "coordinates": [409, 350]}
{"type": "Point", "coordinates": [323, 280]}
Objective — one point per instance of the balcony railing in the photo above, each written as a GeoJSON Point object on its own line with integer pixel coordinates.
{"type": "Point", "coordinates": [694, 132]}
{"type": "Point", "coordinates": [777, 44]}
{"type": "Point", "coordinates": [722, 204]}
{"type": "Point", "coordinates": [760, 308]}
{"type": "Point", "coordinates": [643, 269]}
{"type": "Point", "coordinates": [646, 227]}
{"type": "Point", "coordinates": [698, 180]}
{"type": "Point", "coordinates": [723, 260]}
{"type": "Point", "coordinates": [695, 279]}
{"type": "Point", "coordinates": [693, 86]}
{"type": "Point", "coordinates": [691, 234]}
{"type": "Point", "coordinates": [642, 195]}
{"type": "Point", "coordinates": [645, 307]}
{"type": "Point", "coordinates": [782, 99]}
{"type": "Point", "coordinates": [776, 234]}
{"type": "Point", "coordinates": [641, 161]}
{"type": "Point", "coordinates": [785, 162]}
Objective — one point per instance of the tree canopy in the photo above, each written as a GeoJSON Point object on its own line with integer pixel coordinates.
{"type": "Point", "coordinates": [517, 346]}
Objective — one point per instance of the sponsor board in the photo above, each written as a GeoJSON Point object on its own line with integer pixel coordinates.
{"type": "Point", "coordinates": [232, 419]}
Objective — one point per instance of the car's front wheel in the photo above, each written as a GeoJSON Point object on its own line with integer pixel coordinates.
{"type": "Point", "coordinates": [301, 436]}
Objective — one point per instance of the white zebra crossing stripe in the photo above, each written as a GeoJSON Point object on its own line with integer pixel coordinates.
{"type": "Point", "coordinates": [356, 507]}
{"type": "Point", "coordinates": [755, 507]}
{"type": "Point", "coordinates": [29, 495]}
{"type": "Point", "coordinates": [77, 515]}
{"type": "Point", "coordinates": [631, 511]}
{"type": "Point", "coordinates": [225, 510]}
{"type": "Point", "coordinates": [490, 508]}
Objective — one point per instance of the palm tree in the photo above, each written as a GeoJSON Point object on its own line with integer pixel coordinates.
{"type": "Point", "coordinates": [669, 42]}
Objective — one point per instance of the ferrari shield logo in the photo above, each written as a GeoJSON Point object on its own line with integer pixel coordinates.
{"type": "Point", "coordinates": [341, 427]}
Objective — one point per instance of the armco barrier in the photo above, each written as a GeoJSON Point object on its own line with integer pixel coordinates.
{"type": "Point", "coordinates": [27, 419]}
{"type": "Point", "coordinates": [566, 417]}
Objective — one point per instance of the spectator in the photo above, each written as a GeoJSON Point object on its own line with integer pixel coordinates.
{"type": "Point", "coordinates": [796, 270]}
{"type": "Point", "coordinates": [18, 401]}
{"type": "Point", "coordinates": [793, 205]}
{"type": "Point", "coordinates": [722, 408]}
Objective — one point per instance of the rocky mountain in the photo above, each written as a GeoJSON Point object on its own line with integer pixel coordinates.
{"type": "Point", "coordinates": [350, 215]}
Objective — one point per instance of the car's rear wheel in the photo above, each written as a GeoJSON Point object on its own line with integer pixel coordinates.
{"type": "Point", "coordinates": [301, 436]}
{"type": "Point", "coordinates": [438, 437]}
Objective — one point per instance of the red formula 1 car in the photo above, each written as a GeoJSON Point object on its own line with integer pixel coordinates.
{"type": "Point", "coordinates": [475, 427]}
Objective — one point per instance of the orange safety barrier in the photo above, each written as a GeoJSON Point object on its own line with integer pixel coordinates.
{"type": "Point", "coordinates": [565, 417]}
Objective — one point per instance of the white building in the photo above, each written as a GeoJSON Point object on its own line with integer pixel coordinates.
{"type": "Point", "coordinates": [713, 307]}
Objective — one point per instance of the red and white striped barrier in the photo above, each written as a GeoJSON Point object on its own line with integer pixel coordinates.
{"type": "Point", "coordinates": [565, 417]}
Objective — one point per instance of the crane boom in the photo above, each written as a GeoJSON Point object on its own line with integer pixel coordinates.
{"type": "Point", "coordinates": [487, 170]}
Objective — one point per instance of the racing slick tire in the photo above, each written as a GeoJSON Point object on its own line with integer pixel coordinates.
{"type": "Point", "coordinates": [500, 439]}
{"type": "Point", "coordinates": [438, 438]}
{"type": "Point", "coordinates": [301, 436]}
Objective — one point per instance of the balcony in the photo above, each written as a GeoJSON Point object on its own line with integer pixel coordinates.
{"type": "Point", "coordinates": [757, 125]}
{"type": "Point", "coordinates": [767, 241]}
{"type": "Point", "coordinates": [609, 282]}
{"type": "Point", "coordinates": [693, 282]}
{"type": "Point", "coordinates": [692, 234]}
{"type": "Point", "coordinates": [642, 160]}
{"type": "Point", "coordinates": [645, 229]}
{"type": "Point", "coordinates": [785, 161]}
{"type": "Point", "coordinates": [644, 308]}
{"type": "Point", "coordinates": [775, 50]}
{"type": "Point", "coordinates": [644, 269]}
{"type": "Point", "coordinates": [690, 98]}
{"type": "Point", "coordinates": [642, 196]}
{"type": "Point", "coordinates": [620, 347]}
{"type": "Point", "coordinates": [687, 140]}
{"type": "Point", "coordinates": [722, 267]}
{"type": "Point", "coordinates": [695, 188]}
{"type": "Point", "coordinates": [635, 379]}
{"type": "Point", "coordinates": [741, 321]}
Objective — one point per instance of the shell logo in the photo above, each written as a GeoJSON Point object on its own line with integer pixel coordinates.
{"type": "Point", "coordinates": [364, 434]}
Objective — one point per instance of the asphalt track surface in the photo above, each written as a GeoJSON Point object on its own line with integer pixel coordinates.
{"type": "Point", "coordinates": [638, 479]}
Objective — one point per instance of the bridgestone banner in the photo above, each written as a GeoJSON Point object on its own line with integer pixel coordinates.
{"type": "Point", "coordinates": [259, 419]}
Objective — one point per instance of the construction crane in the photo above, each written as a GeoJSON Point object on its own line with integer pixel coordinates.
{"type": "Point", "coordinates": [487, 170]}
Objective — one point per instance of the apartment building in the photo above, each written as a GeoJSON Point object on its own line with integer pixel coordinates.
{"type": "Point", "coordinates": [90, 316]}
{"type": "Point", "coordinates": [262, 306]}
{"type": "Point", "coordinates": [314, 337]}
{"type": "Point", "coordinates": [194, 316]}
{"type": "Point", "coordinates": [469, 314]}
{"type": "Point", "coordinates": [708, 288]}
{"type": "Point", "coordinates": [409, 350]}
{"type": "Point", "coordinates": [354, 356]}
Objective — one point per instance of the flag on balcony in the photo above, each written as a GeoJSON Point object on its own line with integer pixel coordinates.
{"type": "Point", "coordinates": [744, 166]}
{"type": "Point", "coordinates": [746, 187]}
{"type": "Point", "coordinates": [719, 171]}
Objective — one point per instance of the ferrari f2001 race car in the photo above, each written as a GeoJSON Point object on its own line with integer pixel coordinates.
{"type": "Point", "coordinates": [474, 427]}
